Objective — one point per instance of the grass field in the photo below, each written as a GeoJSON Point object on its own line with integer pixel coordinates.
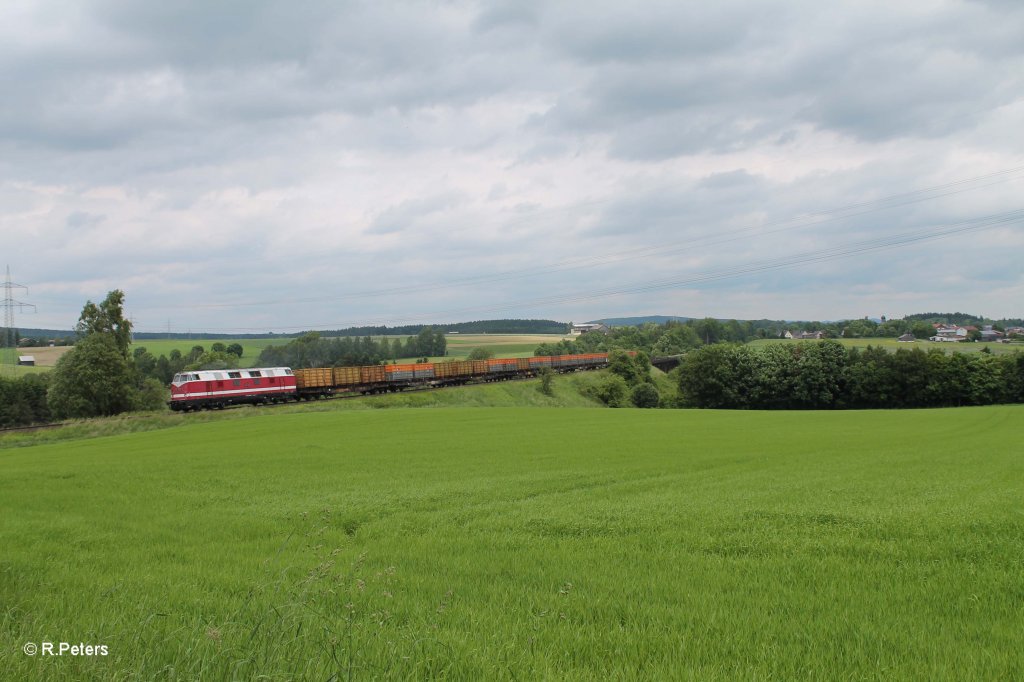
{"type": "Point", "coordinates": [9, 366]}
{"type": "Point", "coordinates": [893, 344]}
{"type": "Point", "coordinates": [251, 347]}
{"type": "Point", "coordinates": [502, 345]}
{"type": "Point", "coordinates": [522, 543]}
{"type": "Point", "coordinates": [459, 346]}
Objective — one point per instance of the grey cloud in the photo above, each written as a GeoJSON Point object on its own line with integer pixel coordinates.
{"type": "Point", "coordinates": [686, 211]}
{"type": "Point", "coordinates": [735, 179]}
{"type": "Point", "coordinates": [651, 32]}
{"type": "Point", "coordinates": [515, 15]}
{"type": "Point", "coordinates": [81, 219]}
{"type": "Point", "coordinates": [408, 215]}
{"type": "Point", "coordinates": [874, 81]}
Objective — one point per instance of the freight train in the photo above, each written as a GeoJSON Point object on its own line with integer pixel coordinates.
{"type": "Point", "coordinates": [217, 389]}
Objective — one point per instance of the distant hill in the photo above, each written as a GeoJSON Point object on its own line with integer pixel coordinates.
{"type": "Point", "coordinates": [963, 319]}
{"type": "Point", "coordinates": [476, 327]}
{"type": "Point", "coordinates": [636, 321]}
{"type": "Point", "coordinates": [50, 333]}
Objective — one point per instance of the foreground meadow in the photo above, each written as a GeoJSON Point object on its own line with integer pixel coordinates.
{"type": "Point", "coordinates": [523, 544]}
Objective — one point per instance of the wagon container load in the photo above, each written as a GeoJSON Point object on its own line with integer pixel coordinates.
{"type": "Point", "coordinates": [540, 361]}
{"type": "Point", "coordinates": [454, 368]}
{"type": "Point", "coordinates": [314, 377]}
{"type": "Point", "coordinates": [372, 374]}
{"type": "Point", "coordinates": [423, 370]}
{"type": "Point", "coordinates": [501, 365]}
{"type": "Point", "coordinates": [347, 376]}
{"type": "Point", "coordinates": [399, 372]}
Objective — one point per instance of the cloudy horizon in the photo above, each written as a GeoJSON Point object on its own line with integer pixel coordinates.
{"type": "Point", "coordinates": [255, 166]}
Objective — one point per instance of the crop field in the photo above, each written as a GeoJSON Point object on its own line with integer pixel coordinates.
{"type": "Point", "coordinates": [893, 344]}
{"type": "Point", "coordinates": [502, 345]}
{"type": "Point", "coordinates": [522, 543]}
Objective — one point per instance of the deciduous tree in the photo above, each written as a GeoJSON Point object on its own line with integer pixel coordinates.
{"type": "Point", "coordinates": [107, 318]}
{"type": "Point", "coordinates": [93, 379]}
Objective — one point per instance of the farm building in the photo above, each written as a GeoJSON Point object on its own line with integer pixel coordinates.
{"type": "Point", "coordinates": [907, 338]}
{"type": "Point", "coordinates": [589, 327]}
{"type": "Point", "coordinates": [27, 360]}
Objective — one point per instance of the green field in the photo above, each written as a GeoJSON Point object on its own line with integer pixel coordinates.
{"type": "Point", "coordinates": [502, 345]}
{"type": "Point", "coordinates": [522, 543]}
{"type": "Point", "coordinates": [459, 345]}
{"type": "Point", "coordinates": [251, 347]}
{"type": "Point", "coordinates": [893, 344]}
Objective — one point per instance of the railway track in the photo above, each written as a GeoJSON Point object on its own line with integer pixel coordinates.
{"type": "Point", "coordinates": [265, 406]}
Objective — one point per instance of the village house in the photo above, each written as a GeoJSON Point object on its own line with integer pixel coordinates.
{"type": "Point", "coordinates": [989, 334]}
{"type": "Point", "coordinates": [950, 332]}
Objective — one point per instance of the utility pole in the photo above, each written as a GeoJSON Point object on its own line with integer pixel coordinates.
{"type": "Point", "coordinates": [10, 340]}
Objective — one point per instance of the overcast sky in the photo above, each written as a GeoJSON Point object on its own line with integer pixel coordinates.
{"type": "Point", "coordinates": [269, 166]}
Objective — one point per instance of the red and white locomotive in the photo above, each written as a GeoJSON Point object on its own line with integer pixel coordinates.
{"type": "Point", "coordinates": [218, 388]}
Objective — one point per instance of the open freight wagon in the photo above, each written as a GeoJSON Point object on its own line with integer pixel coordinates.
{"type": "Point", "coordinates": [324, 381]}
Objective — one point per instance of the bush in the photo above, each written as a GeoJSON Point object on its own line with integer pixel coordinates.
{"type": "Point", "coordinates": [645, 395]}
{"type": "Point", "coordinates": [23, 401]}
{"type": "Point", "coordinates": [546, 378]}
{"type": "Point", "coordinates": [480, 353]}
{"type": "Point", "coordinates": [613, 392]}
{"type": "Point", "coordinates": [151, 396]}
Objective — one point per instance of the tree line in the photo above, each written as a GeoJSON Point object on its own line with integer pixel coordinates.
{"type": "Point", "coordinates": [826, 375]}
{"type": "Point", "coordinates": [312, 350]}
{"type": "Point", "coordinates": [507, 326]}
{"type": "Point", "coordinates": [676, 337]}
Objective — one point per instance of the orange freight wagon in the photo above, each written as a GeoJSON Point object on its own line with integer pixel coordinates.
{"type": "Point", "coordinates": [372, 374]}
{"type": "Point", "coordinates": [314, 377]}
{"type": "Point", "coordinates": [347, 376]}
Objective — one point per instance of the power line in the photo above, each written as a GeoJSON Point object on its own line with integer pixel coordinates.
{"type": "Point", "coordinates": [810, 257]}
{"type": "Point", "coordinates": [801, 221]}
{"type": "Point", "coordinates": [10, 340]}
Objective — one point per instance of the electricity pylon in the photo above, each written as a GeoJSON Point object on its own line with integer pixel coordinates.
{"type": "Point", "coordinates": [9, 342]}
